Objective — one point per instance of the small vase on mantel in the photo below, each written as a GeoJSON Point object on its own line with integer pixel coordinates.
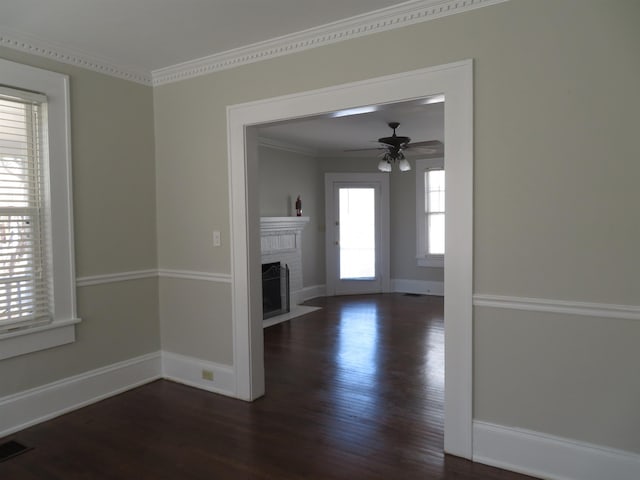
{"type": "Point", "coordinates": [298, 207]}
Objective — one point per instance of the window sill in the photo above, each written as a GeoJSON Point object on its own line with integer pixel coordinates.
{"type": "Point", "coordinates": [434, 261]}
{"type": "Point", "coordinates": [30, 340]}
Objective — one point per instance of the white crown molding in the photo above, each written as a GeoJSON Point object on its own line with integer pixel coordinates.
{"type": "Point", "coordinates": [287, 147]}
{"type": "Point", "coordinates": [41, 48]}
{"type": "Point", "coordinates": [603, 310]}
{"type": "Point", "coordinates": [407, 13]}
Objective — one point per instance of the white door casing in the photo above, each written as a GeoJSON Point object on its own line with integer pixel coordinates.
{"type": "Point", "coordinates": [455, 81]}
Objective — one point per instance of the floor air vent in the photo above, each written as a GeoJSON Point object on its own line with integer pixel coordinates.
{"type": "Point", "coordinates": [11, 449]}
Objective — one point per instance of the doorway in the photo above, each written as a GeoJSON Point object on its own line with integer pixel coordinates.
{"type": "Point", "coordinates": [357, 233]}
{"type": "Point", "coordinates": [455, 82]}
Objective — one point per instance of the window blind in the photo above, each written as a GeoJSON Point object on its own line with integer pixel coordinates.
{"type": "Point", "coordinates": [24, 277]}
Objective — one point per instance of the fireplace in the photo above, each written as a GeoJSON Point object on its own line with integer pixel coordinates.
{"type": "Point", "coordinates": [275, 289]}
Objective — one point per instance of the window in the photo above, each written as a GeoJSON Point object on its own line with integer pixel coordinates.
{"type": "Point", "coordinates": [430, 212]}
{"type": "Point", "coordinates": [37, 280]}
{"type": "Point", "coordinates": [24, 285]}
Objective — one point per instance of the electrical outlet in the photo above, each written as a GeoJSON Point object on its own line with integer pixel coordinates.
{"type": "Point", "coordinates": [216, 238]}
{"type": "Point", "coordinates": [207, 375]}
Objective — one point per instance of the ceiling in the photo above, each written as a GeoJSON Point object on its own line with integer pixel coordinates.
{"type": "Point", "coordinates": [152, 34]}
{"type": "Point", "coordinates": [140, 37]}
{"type": "Point", "coordinates": [331, 135]}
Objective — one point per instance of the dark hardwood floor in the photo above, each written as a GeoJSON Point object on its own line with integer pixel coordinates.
{"type": "Point", "coordinates": [354, 391]}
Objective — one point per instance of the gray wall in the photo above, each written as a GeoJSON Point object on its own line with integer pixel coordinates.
{"type": "Point", "coordinates": [555, 189]}
{"type": "Point", "coordinates": [112, 149]}
{"type": "Point", "coordinates": [283, 176]}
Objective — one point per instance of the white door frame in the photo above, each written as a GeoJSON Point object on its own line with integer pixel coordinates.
{"type": "Point", "coordinates": [455, 81]}
{"type": "Point", "coordinates": [382, 227]}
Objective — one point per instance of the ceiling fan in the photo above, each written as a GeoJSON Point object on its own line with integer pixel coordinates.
{"type": "Point", "coordinates": [394, 147]}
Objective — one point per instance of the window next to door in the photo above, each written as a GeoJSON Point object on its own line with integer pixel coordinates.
{"type": "Point", "coordinates": [430, 212]}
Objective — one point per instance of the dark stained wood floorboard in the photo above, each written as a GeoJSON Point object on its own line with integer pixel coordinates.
{"type": "Point", "coordinates": [354, 391]}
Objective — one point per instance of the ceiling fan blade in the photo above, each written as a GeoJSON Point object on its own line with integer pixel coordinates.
{"type": "Point", "coordinates": [428, 143]}
{"type": "Point", "coordinates": [364, 149]}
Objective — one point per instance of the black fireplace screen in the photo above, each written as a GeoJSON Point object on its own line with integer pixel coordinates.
{"type": "Point", "coordinates": [275, 289]}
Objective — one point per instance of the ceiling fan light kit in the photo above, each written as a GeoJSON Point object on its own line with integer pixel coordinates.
{"type": "Point", "coordinates": [394, 145]}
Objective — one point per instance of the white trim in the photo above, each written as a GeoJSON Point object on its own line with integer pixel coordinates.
{"type": "Point", "coordinates": [188, 370]}
{"type": "Point", "coordinates": [455, 81]}
{"type": "Point", "coordinates": [191, 275]}
{"type": "Point", "coordinates": [604, 310]}
{"type": "Point", "coordinates": [398, 16]}
{"type": "Point", "coordinates": [115, 277]}
{"type": "Point", "coordinates": [422, 287]}
{"type": "Point", "coordinates": [32, 339]}
{"type": "Point", "coordinates": [151, 273]}
{"type": "Point", "coordinates": [307, 293]}
{"type": "Point", "coordinates": [43, 403]}
{"type": "Point", "coordinates": [547, 456]}
{"type": "Point", "coordinates": [286, 147]}
{"type": "Point", "coordinates": [41, 48]}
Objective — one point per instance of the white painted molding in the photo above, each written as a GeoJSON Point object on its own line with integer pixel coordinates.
{"type": "Point", "coordinates": [41, 48]}
{"type": "Point", "coordinates": [43, 403]}
{"type": "Point", "coordinates": [604, 310]}
{"type": "Point", "coordinates": [286, 147]}
{"type": "Point", "coordinates": [115, 277]}
{"type": "Point", "coordinates": [314, 291]}
{"type": "Point", "coordinates": [407, 13]}
{"type": "Point", "coordinates": [422, 287]}
{"type": "Point", "coordinates": [152, 273]}
{"type": "Point", "coordinates": [188, 370]}
{"type": "Point", "coordinates": [28, 340]}
{"type": "Point", "coordinates": [191, 275]}
{"type": "Point", "coordinates": [547, 456]}
{"type": "Point", "coordinates": [274, 225]}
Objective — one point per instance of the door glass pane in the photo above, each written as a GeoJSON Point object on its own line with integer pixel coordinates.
{"type": "Point", "coordinates": [357, 233]}
{"type": "Point", "coordinates": [436, 233]}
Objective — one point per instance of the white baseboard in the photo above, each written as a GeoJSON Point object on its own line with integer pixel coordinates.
{"type": "Point", "coordinates": [550, 457]}
{"type": "Point", "coordinates": [423, 287]}
{"type": "Point", "coordinates": [307, 293]}
{"type": "Point", "coordinates": [43, 403]}
{"type": "Point", "coordinates": [188, 370]}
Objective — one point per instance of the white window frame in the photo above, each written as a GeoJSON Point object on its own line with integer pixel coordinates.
{"type": "Point", "coordinates": [423, 258]}
{"type": "Point", "coordinates": [57, 166]}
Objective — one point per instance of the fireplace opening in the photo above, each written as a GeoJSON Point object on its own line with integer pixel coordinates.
{"type": "Point", "coordinates": [275, 289]}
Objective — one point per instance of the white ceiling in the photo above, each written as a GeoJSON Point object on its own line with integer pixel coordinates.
{"type": "Point", "coordinates": [138, 37]}
{"type": "Point", "coordinates": [152, 34]}
{"type": "Point", "coordinates": [330, 136]}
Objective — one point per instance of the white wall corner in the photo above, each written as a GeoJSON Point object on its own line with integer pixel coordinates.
{"type": "Point", "coordinates": [43, 403]}
{"type": "Point", "coordinates": [422, 287]}
{"type": "Point", "coordinates": [547, 456]}
{"type": "Point", "coordinates": [191, 371]}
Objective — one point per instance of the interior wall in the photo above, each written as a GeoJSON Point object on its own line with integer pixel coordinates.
{"type": "Point", "coordinates": [555, 192]}
{"type": "Point", "coordinates": [283, 175]}
{"type": "Point", "coordinates": [112, 149]}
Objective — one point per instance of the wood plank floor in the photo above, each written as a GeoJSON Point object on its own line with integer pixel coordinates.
{"type": "Point", "coordinates": [354, 391]}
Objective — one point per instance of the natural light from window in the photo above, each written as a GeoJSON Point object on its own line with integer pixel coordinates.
{"type": "Point", "coordinates": [357, 233]}
{"type": "Point", "coordinates": [434, 208]}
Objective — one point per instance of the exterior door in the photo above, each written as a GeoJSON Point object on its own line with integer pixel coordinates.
{"type": "Point", "coordinates": [357, 243]}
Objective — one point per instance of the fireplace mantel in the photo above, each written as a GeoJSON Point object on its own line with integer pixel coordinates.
{"type": "Point", "coordinates": [269, 225]}
{"type": "Point", "coordinates": [280, 241]}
